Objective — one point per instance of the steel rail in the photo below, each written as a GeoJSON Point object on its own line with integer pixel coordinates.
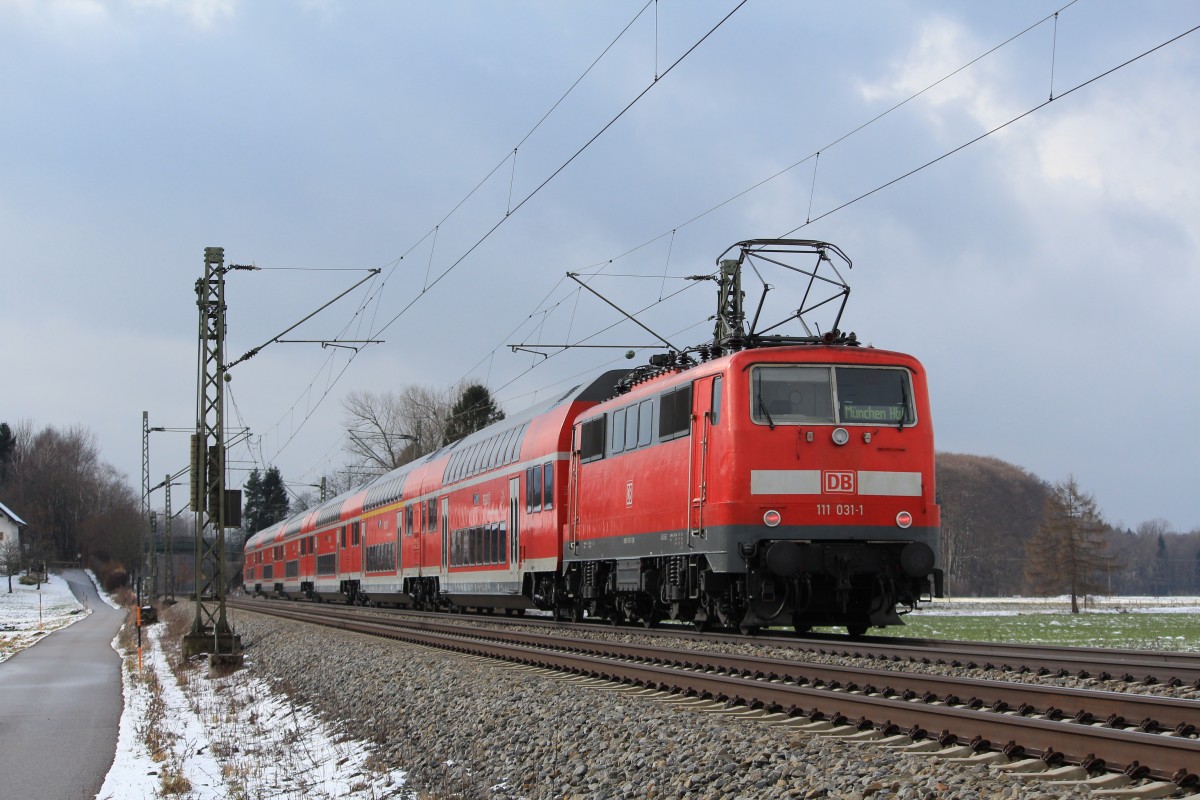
{"type": "Point", "coordinates": [1131, 666]}
{"type": "Point", "coordinates": [1149, 713]}
{"type": "Point", "coordinates": [1164, 757]}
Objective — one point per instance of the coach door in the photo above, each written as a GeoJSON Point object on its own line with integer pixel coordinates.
{"type": "Point", "coordinates": [702, 411]}
{"type": "Point", "coordinates": [445, 528]}
{"type": "Point", "coordinates": [514, 530]}
{"type": "Point", "coordinates": [400, 559]}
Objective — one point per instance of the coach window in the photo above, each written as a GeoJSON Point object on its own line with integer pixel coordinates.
{"type": "Point", "coordinates": [510, 445]}
{"type": "Point", "coordinates": [502, 448]}
{"type": "Point", "coordinates": [716, 400]}
{"type": "Point", "coordinates": [343, 537]}
{"type": "Point", "coordinates": [618, 431]}
{"type": "Point", "coordinates": [537, 489]}
{"type": "Point", "coordinates": [548, 485]}
{"type": "Point", "coordinates": [354, 534]}
{"type": "Point", "coordinates": [507, 446]}
{"type": "Point", "coordinates": [497, 455]}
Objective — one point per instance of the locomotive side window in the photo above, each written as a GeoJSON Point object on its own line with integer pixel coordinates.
{"type": "Point", "coordinates": [618, 431]}
{"type": "Point", "coordinates": [675, 413]}
{"type": "Point", "coordinates": [645, 422]}
{"type": "Point", "coordinates": [631, 427]}
{"type": "Point", "coordinates": [716, 401]}
{"type": "Point", "coordinates": [874, 396]}
{"type": "Point", "coordinates": [591, 439]}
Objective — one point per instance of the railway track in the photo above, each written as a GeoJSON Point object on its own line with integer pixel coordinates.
{"type": "Point", "coordinates": [1110, 739]}
{"type": "Point", "coordinates": [1148, 668]}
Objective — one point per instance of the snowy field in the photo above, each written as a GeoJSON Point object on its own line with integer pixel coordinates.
{"type": "Point", "coordinates": [1011, 606]}
{"type": "Point", "coordinates": [30, 613]}
{"type": "Point", "coordinates": [1141, 623]}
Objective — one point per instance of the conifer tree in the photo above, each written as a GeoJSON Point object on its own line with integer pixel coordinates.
{"type": "Point", "coordinates": [474, 411]}
{"type": "Point", "coordinates": [1070, 551]}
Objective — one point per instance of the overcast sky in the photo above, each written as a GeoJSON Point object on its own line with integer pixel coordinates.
{"type": "Point", "coordinates": [1047, 275]}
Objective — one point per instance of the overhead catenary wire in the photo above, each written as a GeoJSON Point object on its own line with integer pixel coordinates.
{"type": "Point", "coordinates": [561, 167]}
{"type": "Point", "coordinates": [993, 130]}
{"type": "Point", "coordinates": [375, 297]}
{"type": "Point", "coordinates": [810, 219]}
{"type": "Point", "coordinates": [603, 265]}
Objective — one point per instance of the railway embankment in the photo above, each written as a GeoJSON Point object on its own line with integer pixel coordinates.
{"type": "Point", "coordinates": [469, 727]}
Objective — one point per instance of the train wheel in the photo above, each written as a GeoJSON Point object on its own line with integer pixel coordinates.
{"type": "Point", "coordinates": [857, 628]}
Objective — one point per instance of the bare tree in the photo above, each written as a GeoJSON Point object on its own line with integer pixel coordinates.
{"type": "Point", "coordinates": [335, 483]}
{"type": "Point", "coordinates": [10, 560]}
{"type": "Point", "coordinates": [387, 430]}
{"type": "Point", "coordinates": [989, 510]}
{"type": "Point", "coordinates": [72, 501]}
{"type": "Point", "coordinates": [1070, 551]}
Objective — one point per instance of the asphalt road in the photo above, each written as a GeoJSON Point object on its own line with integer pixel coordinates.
{"type": "Point", "coordinates": [60, 706]}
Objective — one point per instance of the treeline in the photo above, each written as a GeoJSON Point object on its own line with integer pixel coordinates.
{"type": "Point", "coordinates": [997, 538]}
{"type": "Point", "coordinates": [1001, 525]}
{"type": "Point", "coordinates": [75, 504]}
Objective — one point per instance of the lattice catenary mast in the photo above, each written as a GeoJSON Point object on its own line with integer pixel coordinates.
{"type": "Point", "coordinates": [214, 507]}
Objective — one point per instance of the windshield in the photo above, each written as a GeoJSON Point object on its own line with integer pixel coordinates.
{"type": "Point", "coordinates": [792, 394]}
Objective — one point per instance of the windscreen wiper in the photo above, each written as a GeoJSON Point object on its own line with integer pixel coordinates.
{"type": "Point", "coordinates": [762, 407]}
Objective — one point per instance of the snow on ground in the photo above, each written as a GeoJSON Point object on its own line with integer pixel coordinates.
{"type": "Point", "coordinates": [29, 613]}
{"type": "Point", "coordinates": [1011, 606]}
{"type": "Point", "coordinates": [187, 735]}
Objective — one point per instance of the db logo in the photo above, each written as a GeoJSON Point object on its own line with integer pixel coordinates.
{"type": "Point", "coordinates": [838, 482]}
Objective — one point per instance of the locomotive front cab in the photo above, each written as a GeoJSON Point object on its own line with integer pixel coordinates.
{"type": "Point", "coordinates": [839, 524]}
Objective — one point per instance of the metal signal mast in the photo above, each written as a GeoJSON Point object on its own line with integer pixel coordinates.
{"type": "Point", "coordinates": [215, 508]}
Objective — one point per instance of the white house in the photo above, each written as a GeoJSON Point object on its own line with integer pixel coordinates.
{"type": "Point", "coordinates": [10, 526]}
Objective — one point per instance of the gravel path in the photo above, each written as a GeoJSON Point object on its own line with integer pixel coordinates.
{"type": "Point", "coordinates": [470, 729]}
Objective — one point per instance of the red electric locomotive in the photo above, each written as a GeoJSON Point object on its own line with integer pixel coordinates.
{"type": "Point", "coordinates": [758, 480]}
